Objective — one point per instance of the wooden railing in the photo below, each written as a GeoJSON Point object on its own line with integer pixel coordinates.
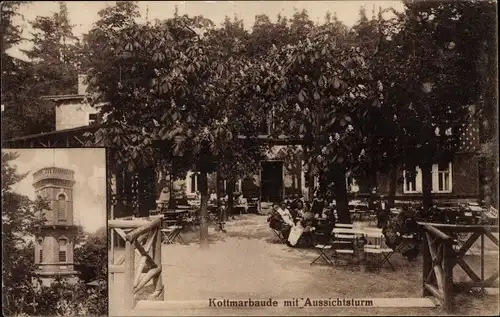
{"type": "Point", "coordinates": [440, 257]}
{"type": "Point", "coordinates": [142, 237]}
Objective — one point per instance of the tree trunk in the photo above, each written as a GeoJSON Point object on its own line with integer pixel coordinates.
{"type": "Point", "coordinates": [203, 187]}
{"type": "Point", "coordinates": [392, 186]}
{"type": "Point", "coordinates": [309, 177]}
{"type": "Point", "coordinates": [373, 180]}
{"type": "Point", "coordinates": [298, 172]}
{"type": "Point", "coordinates": [171, 200]}
{"type": "Point", "coordinates": [217, 189]}
{"type": "Point", "coordinates": [310, 188]}
{"type": "Point", "coordinates": [426, 188]}
{"type": "Point", "coordinates": [230, 199]}
{"type": "Point", "coordinates": [162, 181]}
{"type": "Point", "coordinates": [340, 192]}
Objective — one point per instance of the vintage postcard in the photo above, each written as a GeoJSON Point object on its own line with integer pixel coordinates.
{"type": "Point", "coordinates": [250, 158]}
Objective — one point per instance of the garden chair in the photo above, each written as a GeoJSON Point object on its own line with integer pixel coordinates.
{"type": "Point", "coordinates": [344, 241]}
{"type": "Point", "coordinates": [276, 224]}
{"type": "Point", "coordinates": [279, 235]}
{"type": "Point", "coordinates": [171, 234]}
{"type": "Point", "coordinates": [192, 220]}
{"type": "Point", "coordinates": [323, 246]}
{"type": "Point", "coordinates": [170, 219]}
{"type": "Point", "coordinates": [376, 246]}
{"type": "Point", "coordinates": [155, 212]}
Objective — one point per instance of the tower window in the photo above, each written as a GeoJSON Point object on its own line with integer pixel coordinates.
{"type": "Point", "coordinates": [40, 249]}
{"type": "Point", "coordinates": [62, 250]}
{"type": "Point", "coordinates": [62, 205]}
{"type": "Point", "coordinates": [62, 256]}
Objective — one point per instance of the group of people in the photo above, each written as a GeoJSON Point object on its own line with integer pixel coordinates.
{"type": "Point", "coordinates": [296, 220]}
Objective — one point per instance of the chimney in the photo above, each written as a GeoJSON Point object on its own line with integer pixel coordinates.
{"type": "Point", "coordinates": [82, 84]}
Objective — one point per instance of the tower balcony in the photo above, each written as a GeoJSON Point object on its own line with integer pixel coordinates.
{"type": "Point", "coordinates": [54, 173]}
{"type": "Point", "coordinates": [58, 225]}
{"type": "Point", "coordinates": [52, 269]}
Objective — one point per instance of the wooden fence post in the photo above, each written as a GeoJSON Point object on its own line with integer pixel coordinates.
{"type": "Point", "coordinates": [128, 295]}
{"type": "Point", "coordinates": [482, 259]}
{"type": "Point", "coordinates": [158, 282]}
{"type": "Point", "coordinates": [448, 263]}
{"type": "Point", "coordinates": [427, 263]}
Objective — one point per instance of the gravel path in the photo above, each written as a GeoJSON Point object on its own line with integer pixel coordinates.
{"type": "Point", "coordinates": [248, 262]}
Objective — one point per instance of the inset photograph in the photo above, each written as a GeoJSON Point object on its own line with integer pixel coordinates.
{"type": "Point", "coordinates": [54, 241]}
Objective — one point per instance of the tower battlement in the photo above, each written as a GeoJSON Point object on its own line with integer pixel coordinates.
{"type": "Point", "coordinates": [63, 177]}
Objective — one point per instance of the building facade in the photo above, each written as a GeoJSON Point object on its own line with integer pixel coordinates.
{"type": "Point", "coordinates": [73, 111]}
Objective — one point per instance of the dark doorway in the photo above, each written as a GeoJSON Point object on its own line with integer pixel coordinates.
{"type": "Point", "coordinates": [272, 181]}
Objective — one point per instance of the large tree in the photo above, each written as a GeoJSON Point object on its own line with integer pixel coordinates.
{"type": "Point", "coordinates": [325, 92]}
{"type": "Point", "coordinates": [22, 112]}
{"type": "Point", "coordinates": [433, 48]}
{"type": "Point", "coordinates": [172, 93]}
{"type": "Point", "coordinates": [19, 224]}
{"type": "Point", "coordinates": [54, 53]}
{"type": "Point", "coordinates": [52, 69]}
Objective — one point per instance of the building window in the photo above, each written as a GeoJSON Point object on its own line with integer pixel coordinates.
{"type": "Point", "coordinates": [39, 254]}
{"type": "Point", "coordinates": [194, 183]}
{"type": "Point", "coordinates": [441, 178]}
{"type": "Point", "coordinates": [92, 118]}
{"type": "Point", "coordinates": [412, 181]}
{"type": "Point", "coordinates": [62, 256]}
{"type": "Point", "coordinates": [62, 205]}
{"type": "Point", "coordinates": [62, 250]}
{"type": "Point", "coordinates": [222, 188]}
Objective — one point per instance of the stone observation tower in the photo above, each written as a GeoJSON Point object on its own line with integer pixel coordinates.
{"type": "Point", "coordinates": [55, 242]}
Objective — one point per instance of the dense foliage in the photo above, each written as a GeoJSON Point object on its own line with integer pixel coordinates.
{"type": "Point", "coordinates": [359, 98]}
{"type": "Point", "coordinates": [51, 69]}
{"type": "Point", "coordinates": [189, 95]}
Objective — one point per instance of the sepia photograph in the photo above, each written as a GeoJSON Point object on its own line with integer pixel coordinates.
{"type": "Point", "coordinates": [54, 241]}
{"type": "Point", "coordinates": [236, 158]}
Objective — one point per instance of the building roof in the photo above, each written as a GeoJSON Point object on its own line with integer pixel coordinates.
{"type": "Point", "coordinates": [15, 142]}
{"type": "Point", "coordinates": [63, 97]}
{"type": "Point", "coordinates": [87, 128]}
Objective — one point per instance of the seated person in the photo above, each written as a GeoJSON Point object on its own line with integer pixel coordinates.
{"type": "Point", "coordinates": [274, 219]}
{"type": "Point", "coordinates": [213, 197]}
{"type": "Point", "coordinates": [307, 206]}
{"type": "Point", "coordinates": [240, 200]}
{"type": "Point", "coordinates": [317, 207]}
{"type": "Point", "coordinates": [277, 222]}
{"type": "Point", "coordinates": [383, 215]}
{"type": "Point", "coordinates": [308, 221]}
{"type": "Point", "coordinates": [294, 210]}
{"type": "Point", "coordinates": [300, 208]}
{"type": "Point", "coordinates": [285, 214]}
{"type": "Point", "coordinates": [294, 202]}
